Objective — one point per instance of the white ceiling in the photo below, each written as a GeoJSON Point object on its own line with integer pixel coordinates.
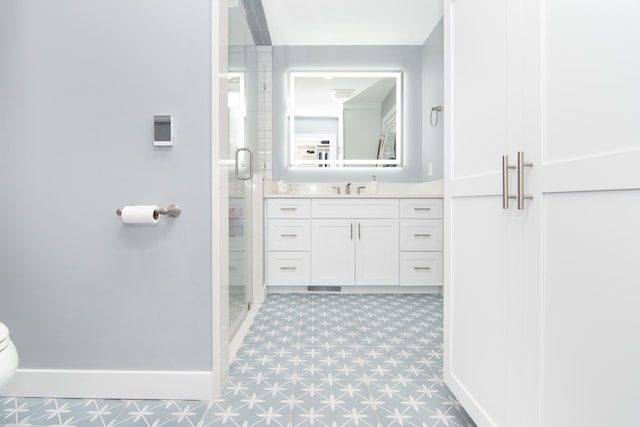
{"type": "Point", "coordinates": [351, 22]}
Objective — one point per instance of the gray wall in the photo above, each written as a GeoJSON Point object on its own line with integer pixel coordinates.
{"type": "Point", "coordinates": [433, 95]}
{"type": "Point", "coordinates": [404, 58]}
{"type": "Point", "coordinates": [80, 82]}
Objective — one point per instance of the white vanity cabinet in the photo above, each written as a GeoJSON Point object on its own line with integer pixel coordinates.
{"type": "Point", "coordinates": [359, 242]}
{"type": "Point", "coordinates": [355, 242]}
{"type": "Point", "coordinates": [421, 228]}
{"type": "Point", "coordinates": [288, 242]}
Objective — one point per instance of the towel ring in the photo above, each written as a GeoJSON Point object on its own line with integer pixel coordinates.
{"type": "Point", "coordinates": [437, 110]}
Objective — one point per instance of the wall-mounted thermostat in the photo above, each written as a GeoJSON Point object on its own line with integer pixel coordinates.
{"type": "Point", "coordinates": [162, 131]}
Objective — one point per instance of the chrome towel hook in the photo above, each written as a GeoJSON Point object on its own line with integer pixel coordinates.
{"type": "Point", "coordinates": [437, 110]}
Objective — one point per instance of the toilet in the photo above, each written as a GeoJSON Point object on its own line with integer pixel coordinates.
{"type": "Point", "coordinates": [8, 357]}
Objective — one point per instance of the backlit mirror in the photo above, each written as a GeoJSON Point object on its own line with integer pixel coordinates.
{"type": "Point", "coordinates": [345, 119]}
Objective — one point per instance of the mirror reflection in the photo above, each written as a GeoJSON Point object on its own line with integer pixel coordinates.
{"type": "Point", "coordinates": [344, 119]}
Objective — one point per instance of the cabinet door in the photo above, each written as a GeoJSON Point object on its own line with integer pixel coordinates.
{"type": "Point", "coordinates": [589, 182]}
{"type": "Point", "coordinates": [332, 252]}
{"type": "Point", "coordinates": [482, 323]}
{"type": "Point", "coordinates": [377, 252]}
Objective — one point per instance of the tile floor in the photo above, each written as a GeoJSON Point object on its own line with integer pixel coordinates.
{"type": "Point", "coordinates": [308, 360]}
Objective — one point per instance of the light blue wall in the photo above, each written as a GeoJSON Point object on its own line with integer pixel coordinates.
{"type": "Point", "coordinates": [80, 82]}
{"type": "Point", "coordinates": [433, 95]}
{"type": "Point", "coordinates": [404, 58]}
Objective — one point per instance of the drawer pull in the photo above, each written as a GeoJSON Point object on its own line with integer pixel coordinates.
{"type": "Point", "coordinates": [422, 235]}
{"type": "Point", "coordinates": [288, 235]}
{"type": "Point", "coordinates": [289, 209]}
{"type": "Point", "coordinates": [288, 268]}
{"type": "Point", "coordinates": [422, 268]}
{"type": "Point", "coordinates": [421, 209]}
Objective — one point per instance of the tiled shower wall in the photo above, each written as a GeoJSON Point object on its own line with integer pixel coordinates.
{"type": "Point", "coordinates": [265, 155]}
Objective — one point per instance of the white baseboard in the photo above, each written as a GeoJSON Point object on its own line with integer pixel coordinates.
{"type": "Point", "coordinates": [237, 340]}
{"type": "Point", "coordinates": [359, 290]}
{"type": "Point", "coordinates": [89, 384]}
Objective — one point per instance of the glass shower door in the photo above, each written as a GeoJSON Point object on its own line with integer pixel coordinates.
{"type": "Point", "coordinates": [242, 123]}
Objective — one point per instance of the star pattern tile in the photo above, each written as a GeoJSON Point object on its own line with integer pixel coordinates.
{"type": "Point", "coordinates": [327, 360]}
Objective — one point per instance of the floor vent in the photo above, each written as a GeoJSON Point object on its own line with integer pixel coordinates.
{"type": "Point", "coordinates": [324, 288]}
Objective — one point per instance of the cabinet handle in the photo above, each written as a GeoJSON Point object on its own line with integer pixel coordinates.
{"type": "Point", "coordinates": [358, 231]}
{"type": "Point", "coordinates": [422, 235]}
{"type": "Point", "coordinates": [505, 182]}
{"type": "Point", "coordinates": [288, 235]}
{"type": "Point", "coordinates": [521, 165]}
{"type": "Point", "coordinates": [289, 209]}
{"type": "Point", "coordinates": [288, 268]}
{"type": "Point", "coordinates": [351, 231]}
{"type": "Point", "coordinates": [422, 268]}
{"type": "Point", "coordinates": [421, 209]}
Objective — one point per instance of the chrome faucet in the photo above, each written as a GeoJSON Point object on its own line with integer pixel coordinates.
{"type": "Point", "coordinates": [347, 189]}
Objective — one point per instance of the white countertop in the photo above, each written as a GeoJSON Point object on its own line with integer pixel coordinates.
{"type": "Point", "coordinates": [353, 196]}
{"type": "Point", "coordinates": [427, 190]}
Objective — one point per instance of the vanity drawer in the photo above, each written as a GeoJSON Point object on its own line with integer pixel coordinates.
{"type": "Point", "coordinates": [289, 234]}
{"type": "Point", "coordinates": [288, 268]}
{"type": "Point", "coordinates": [288, 208]}
{"type": "Point", "coordinates": [421, 234]}
{"type": "Point", "coordinates": [420, 268]}
{"type": "Point", "coordinates": [354, 208]}
{"type": "Point", "coordinates": [421, 208]}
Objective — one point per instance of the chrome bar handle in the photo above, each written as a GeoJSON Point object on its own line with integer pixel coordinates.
{"type": "Point", "coordinates": [521, 165]}
{"type": "Point", "coordinates": [505, 182]}
{"type": "Point", "coordinates": [351, 231]}
{"type": "Point", "coordinates": [358, 231]}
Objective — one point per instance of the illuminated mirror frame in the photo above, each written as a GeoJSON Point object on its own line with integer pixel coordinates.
{"type": "Point", "coordinates": [291, 114]}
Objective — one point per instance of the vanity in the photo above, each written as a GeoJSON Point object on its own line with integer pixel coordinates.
{"type": "Point", "coordinates": [333, 125]}
{"type": "Point", "coordinates": [354, 243]}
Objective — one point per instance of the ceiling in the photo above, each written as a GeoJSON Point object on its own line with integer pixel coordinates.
{"type": "Point", "coordinates": [351, 22]}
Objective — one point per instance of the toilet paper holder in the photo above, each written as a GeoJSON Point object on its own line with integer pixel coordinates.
{"type": "Point", "coordinates": [171, 210]}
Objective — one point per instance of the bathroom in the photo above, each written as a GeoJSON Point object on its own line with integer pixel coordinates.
{"type": "Point", "coordinates": [92, 303]}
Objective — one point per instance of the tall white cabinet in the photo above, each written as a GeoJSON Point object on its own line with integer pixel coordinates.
{"type": "Point", "coordinates": [541, 299]}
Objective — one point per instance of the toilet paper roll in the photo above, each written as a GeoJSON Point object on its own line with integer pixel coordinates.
{"type": "Point", "coordinates": [140, 214]}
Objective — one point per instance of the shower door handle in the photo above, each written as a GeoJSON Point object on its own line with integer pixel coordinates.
{"type": "Point", "coordinates": [250, 160]}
